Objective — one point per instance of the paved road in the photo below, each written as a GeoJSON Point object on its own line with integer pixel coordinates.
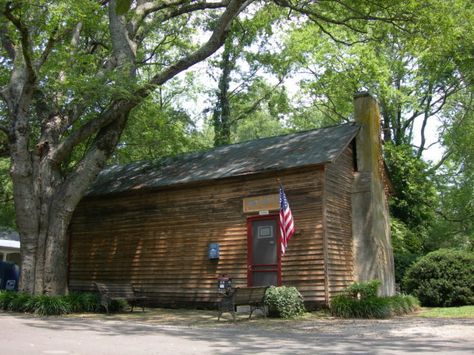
{"type": "Point", "coordinates": [28, 335]}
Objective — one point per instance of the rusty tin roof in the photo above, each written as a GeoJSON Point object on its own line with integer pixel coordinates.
{"type": "Point", "coordinates": [294, 150]}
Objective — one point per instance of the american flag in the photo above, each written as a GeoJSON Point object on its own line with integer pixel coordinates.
{"type": "Point", "coordinates": [287, 225]}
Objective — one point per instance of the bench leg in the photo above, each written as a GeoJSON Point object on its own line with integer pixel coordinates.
{"type": "Point", "coordinates": [104, 302]}
{"type": "Point", "coordinates": [254, 308]}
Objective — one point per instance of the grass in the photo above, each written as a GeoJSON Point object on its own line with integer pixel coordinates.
{"type": "Point", "coordinates": [447, 312]}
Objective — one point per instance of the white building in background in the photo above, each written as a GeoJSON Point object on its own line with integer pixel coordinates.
{"type": "Point", "coordinates": [10, 246]}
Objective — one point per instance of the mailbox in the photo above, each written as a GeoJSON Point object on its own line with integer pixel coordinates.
{"type": "Point", "coordinates": [213, 251]}
{"type": "Point", "coordinates": [9, 276]}
{"type": "Point", "coordinates": [224, 284]}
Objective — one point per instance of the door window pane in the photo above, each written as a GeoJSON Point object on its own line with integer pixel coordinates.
{"type": "Point", "coordinates": [264, 242]}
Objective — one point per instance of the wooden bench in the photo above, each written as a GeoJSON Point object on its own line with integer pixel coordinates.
{"type": "Point", "coordinates": [243, 296]}
{"type": "Point", "coordinates": [119, 291]}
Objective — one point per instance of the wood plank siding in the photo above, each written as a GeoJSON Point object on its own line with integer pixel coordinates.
{"type": "Point", "coordinates": [158, 240]}
{"type": "Point", "coordinates": [338, 211]}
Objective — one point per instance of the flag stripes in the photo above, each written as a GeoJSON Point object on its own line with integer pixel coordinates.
{"type": "Point", "coordinates": [287, 224]}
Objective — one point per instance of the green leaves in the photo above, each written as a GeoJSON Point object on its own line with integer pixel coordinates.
{"type": "Point", "coordinates": [7, 210]}
{"type": "Point", "coordinates": [284, 302]}
{"type": "Point", "coordinates": [123, 6]}
{"type": "Point", "coordinates": [442, 278]}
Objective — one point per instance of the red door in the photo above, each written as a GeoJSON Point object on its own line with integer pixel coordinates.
{"type": "Point", "coordinates": [263, 258]}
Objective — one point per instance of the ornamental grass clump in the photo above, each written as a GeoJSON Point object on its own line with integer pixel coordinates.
{"type": "Point", "coordinates": [6, 297]}
{"type": "Point", "coordinates": [45, 305]}
{"type": "Point", "coordinates": [360, 300]}
{"type": "Point", "coordinates": [284, 302]}
{"type": "Point", "coordinates": [19, 302]}
{"type": "Point", "coordinates": [83, 302]}
{"type": "Point", "coordinates": [403, 304]}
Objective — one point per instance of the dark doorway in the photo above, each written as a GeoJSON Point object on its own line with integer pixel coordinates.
{"type": "Point", "coordinates": [263, 259]}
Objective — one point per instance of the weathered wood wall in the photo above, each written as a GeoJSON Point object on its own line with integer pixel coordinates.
{"type": "Point", "coordinates": [158, 240]}
{"type": "Point", "coordinates": [338, 193]}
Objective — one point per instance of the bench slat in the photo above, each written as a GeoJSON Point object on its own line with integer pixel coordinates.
{"type": "Point", "coordinates": [118, 291]}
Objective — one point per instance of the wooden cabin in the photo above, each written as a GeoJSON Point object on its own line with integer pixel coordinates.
{"type": "Point", "coordinates": [153, 223]}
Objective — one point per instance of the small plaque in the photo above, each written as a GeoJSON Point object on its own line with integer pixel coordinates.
{"type": "Point", "coordinates": [263, 213]}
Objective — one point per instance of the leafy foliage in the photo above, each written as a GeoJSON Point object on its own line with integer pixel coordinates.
{"type": "Point", "coordinates": [284, 302]}
{"type": "Point", "coordinates": [362, 290]}
{"type": "Point", "coordinates": [371, 307]}
{"type": "Point", "coordinates": [6, 298]}
{"type": "Point", "coordinates": [403, 304]}
{"type": "Point", "coordinates": [157, 129]}
{"type": "Point", "coordinates": [455, 183]}
{"type": "Point", "coordinates": [7, 209]}
{"type": "Point", "coordinates": [415, 197]}
{"type": "Point", "coordinates": [45, 305]}
{"type": "Point", "coordinates": [360, 300]}
{"type": "Point", "coordinates": [83, 302]}
{"type": "Point", "coordinates": [442, 278]}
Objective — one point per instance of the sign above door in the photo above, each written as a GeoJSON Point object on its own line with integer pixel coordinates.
{"type": "Point", "coordinates": [261, 203]}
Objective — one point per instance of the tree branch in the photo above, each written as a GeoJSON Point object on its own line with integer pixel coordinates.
{"type": "Point", "coordinates": [215, 42]}
{"type": "Point", "coordinates": [255, 105]}
{"type": "Point", "coordinates": [445, 157]}
{"type": "Point", "coordinates": [48, 49]}
{"type": "Point", "coordinates": [7, 43]}
{"type": "Point", "coordinates": [25, 41]}
{"type": "Point", "coordinates": [174, 7]}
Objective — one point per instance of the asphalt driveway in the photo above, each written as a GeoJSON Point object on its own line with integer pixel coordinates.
{"type": "Point", "coordinates": [24, 334]}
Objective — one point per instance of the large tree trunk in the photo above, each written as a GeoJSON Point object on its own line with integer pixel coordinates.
{"type": "Point", "coordinates": [45, 201]}
{"type": "Point", "coordinates": [44, 255]}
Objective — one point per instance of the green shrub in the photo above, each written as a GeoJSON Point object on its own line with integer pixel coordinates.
{"type": "Point", "coordinates": [369, 307]}
{"type": "Point", "coordinates": [6, 297]}
{"type": "Point", "coordinates": [442, 278]}
{"type": "Point", "coordinates": [118, 306]}
{"type": "Point", "coordinates": [284, 302]}
{"type": "Point", "coordinates": [19, 303]}
{"type": "Point", "coordinates": [360, 300]}
{"type": "Point", "coordinates": [403, 261]}
{"type": "Point", "coordinates": [83, 302]}
{"type": "Point", "coordinates": [403, 304]}
{"type": "Point", "coordinates": [55, 305]}
{"type": "Point", "coordinates": [44, 305]}
{"type": "Point", "coordinates": [361, 290]}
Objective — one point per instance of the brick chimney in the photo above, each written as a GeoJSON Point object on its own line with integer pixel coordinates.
{"type": "Point", "coordinates": [373, 255]}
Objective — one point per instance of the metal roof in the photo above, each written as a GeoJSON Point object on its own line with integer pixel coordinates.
{"type": "Point", "coordinates": [267, 154]}
{"type": "Point", "coordinates": [9, 239]}
{"type": "Point", "coordinates": [10, 244]}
